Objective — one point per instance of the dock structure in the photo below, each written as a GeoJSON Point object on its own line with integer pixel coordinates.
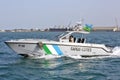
{"type": "Point", "coordinates": [105, 28]}
{"type": "Point", "coordinates": [70, 28]}
{"type": "Point", "coordinates": [95, 28]}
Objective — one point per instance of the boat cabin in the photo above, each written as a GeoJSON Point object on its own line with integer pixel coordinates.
{"type": "Point", "coordinates": [68, 37]}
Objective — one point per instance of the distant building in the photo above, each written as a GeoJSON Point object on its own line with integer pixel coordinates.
{"type": "Point", "coordinates": [2, 30]}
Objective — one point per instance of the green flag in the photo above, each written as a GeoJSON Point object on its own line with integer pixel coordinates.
{"type": "Point", "coordinates": [87, 27]}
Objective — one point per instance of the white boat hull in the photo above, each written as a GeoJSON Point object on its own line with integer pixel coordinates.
{"type": "Point", "coordinates": [41, 47]}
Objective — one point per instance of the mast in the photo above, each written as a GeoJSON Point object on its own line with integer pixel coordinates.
{"type": "Point", "coordinates": [78, 26]}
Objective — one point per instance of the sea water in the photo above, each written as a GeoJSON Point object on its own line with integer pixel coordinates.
{"type": "Point", "coordinates": [15, 67]}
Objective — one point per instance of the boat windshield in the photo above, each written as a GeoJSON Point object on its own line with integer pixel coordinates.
{"type": "Point", "coordinates": [66, 36]}
{"type": "Point", "coordinates": [63, 34]}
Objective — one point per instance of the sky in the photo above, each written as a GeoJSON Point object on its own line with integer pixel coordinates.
{"type": "Point", "coordinates": [26, 14]}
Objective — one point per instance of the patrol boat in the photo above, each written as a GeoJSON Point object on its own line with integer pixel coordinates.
{"type": "Point", "coordinates": [67, 45]}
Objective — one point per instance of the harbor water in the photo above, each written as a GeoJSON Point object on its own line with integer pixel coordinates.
{"type": "Point", "coordinates": [15, 67]}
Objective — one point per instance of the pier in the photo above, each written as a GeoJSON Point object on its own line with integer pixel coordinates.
{"type": "Point", "coordinates": [95, 28]}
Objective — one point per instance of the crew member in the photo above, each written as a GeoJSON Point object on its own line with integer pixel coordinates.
{"type": "Point", "coordinates": [71, 39]}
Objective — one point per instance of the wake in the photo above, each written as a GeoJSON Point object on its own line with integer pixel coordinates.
{"type": "Point", "coordinates": [116, 51]}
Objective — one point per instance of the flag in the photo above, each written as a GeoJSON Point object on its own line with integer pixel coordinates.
{"type": "Point", "coordinates": [87, 27]}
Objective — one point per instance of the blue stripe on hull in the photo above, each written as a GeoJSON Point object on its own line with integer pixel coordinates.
{"type": "Point", "coordinates": [58, 49]}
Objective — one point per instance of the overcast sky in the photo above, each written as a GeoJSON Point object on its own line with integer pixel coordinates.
{"type": "Point", "coordinates": [46, 13]}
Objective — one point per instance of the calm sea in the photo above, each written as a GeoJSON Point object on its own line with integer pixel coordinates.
{"type": "Point", "coordinates": [15, 67]}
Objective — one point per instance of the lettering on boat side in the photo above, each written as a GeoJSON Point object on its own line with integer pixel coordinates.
{"type": "Point", "coordinates": [84, 49]}
{"type": "Point", "coordinates": [21, 45]}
